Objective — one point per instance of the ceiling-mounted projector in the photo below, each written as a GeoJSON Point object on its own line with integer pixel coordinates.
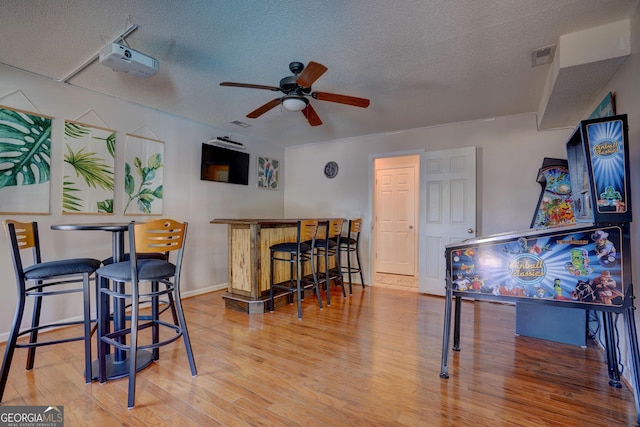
{"type": "Point", "coordinates": [122, 58]}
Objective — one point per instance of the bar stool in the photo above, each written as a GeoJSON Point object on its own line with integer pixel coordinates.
{"type": "Point", "coordinates": [163, 277]}
{"type": "Point", "coordinates": [45, 280]}
{"type": "Point", "coordinates": [157, 255]}
{"type": "Point", "coordinates": [296, 254]}
{"type": "Point", "coordinates": [328, 247]}
{"type": "Point", "coordinates": [350, 244]}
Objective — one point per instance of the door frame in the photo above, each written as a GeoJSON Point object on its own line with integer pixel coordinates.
{"type": "Point", "coordinates": [372, 178]}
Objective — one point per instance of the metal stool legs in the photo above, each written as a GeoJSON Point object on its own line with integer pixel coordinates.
{"type": "Point", "coordinates": [350, 244]}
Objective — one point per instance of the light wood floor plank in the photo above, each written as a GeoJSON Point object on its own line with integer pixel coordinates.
{"type": "Point", "coordinates": [371, 359]}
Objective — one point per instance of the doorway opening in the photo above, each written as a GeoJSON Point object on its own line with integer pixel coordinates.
{"type": "Point", "coordinates": [444, 200]}
{"type": "Point", "coordinates": [395, 221]}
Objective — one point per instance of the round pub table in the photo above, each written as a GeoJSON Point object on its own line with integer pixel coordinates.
{"type": "Point", "coordinates": [117, 363]}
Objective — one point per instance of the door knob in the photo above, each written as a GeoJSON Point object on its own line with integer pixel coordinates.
{"type": "Point", "coordinates": [469, 230]}
{"type": "Point", "coordinates": [411, 227]}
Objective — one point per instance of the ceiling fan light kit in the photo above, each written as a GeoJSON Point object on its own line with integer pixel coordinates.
{"type": "Point", "coordinates": [296, 88]}
{"type": "Point", "coordinates": [295, 103]}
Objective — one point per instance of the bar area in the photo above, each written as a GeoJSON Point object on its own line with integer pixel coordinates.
{"type": "Point", "coordinates": [248, 242]}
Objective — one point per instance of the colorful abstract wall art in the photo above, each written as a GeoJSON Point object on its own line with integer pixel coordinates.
{"type": "Point", "coordinates": [268, 173]}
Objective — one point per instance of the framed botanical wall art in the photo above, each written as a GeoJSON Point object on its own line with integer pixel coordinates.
{"type": "Point", "coordinates": [143, 176]}
{"type": "Point", "coordinates": [89, 157]}
{"type": "Point", "coordinates": [25, 162]}
{"type": "Point", "coordinates": [268, 173]}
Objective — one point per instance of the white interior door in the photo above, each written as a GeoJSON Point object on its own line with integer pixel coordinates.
{"type": "Point", "coordinates": [447, 212]}
{"type": "Point", "coordinates": [395, 220]}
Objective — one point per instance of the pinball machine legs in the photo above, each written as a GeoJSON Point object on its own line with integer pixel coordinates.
{"type": "Point", "coordinates": [608, 326]}
{"type": "Point", "coordinates": [634, 352]}
{"type": "Point", "coordinates": [456, 324]}
{"type": "Point", "coordinates": [610, 349]}
{"type": "Point", "coordinates": [444, 366]}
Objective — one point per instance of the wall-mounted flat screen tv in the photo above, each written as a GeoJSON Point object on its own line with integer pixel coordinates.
{"type": "Point", "coordinates": [224, 165]}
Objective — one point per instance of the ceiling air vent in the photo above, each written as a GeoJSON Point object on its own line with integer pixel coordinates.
{"type": "Point", "coordinates": [543, 55]}
{"type": "Point", "coordinates": [241, 124]}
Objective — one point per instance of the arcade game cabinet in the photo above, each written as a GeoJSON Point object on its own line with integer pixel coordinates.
{"type": "Point", "coordinates": [554, 209]}
{"type": "Point", "coordinates": [583, 264]}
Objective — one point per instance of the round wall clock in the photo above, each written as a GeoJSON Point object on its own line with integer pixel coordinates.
{"type": "Point", "coordinates": [331, 169]}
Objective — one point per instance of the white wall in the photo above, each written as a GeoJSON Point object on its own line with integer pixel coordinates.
{"type": "Point", "coordinates": [510, 152]}
{"type": "Point", "coordinates": [186, 198]}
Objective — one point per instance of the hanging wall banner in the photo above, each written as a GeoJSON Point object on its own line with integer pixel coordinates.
{"type": "Point", "coordinates": [25, 162]}
{"type": "Point", "coordinates": [88, 169]}
{"type": "Point", "coordinates": [143, 176]}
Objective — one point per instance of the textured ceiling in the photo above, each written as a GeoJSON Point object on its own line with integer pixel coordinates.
{"type": "Point", "coordinates": [420, 62]}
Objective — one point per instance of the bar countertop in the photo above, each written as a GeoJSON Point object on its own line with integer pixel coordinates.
{"type": "Point", "coordinates": [264, 221]}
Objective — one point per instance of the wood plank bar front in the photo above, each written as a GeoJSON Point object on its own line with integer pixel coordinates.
{"type": "Point", "coordinates": [249, 272]}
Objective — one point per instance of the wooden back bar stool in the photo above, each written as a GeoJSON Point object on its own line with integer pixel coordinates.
{"type": "Point", "coordinates": [149, 279]}
{"type": "Point", "coordinates": [350, 244]}
{"type": "Point", "coordinates": [296, 254]}
{"type": "Point", "coordinates": [40, 280]}
{"type": "Point", "coordinates": [326, 247]}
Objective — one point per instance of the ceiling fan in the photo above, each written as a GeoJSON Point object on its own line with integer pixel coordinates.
{"type": "Point", "coordinates": [296, 89]}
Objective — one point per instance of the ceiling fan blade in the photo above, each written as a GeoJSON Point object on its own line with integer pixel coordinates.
{"type": "Point", "coordinates": [341, 99]}
{"type": "Point", "coordinates": [310, 74]}
{"type": "Point", "coordinates": [250, 86]}
{"type": "Point", "coordinates": [266, 107]}
{"type": "Point", "coordinates": [312, 117]}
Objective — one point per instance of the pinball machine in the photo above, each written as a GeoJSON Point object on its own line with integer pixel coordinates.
{"type": "Point", "coordinates": [575, 256]}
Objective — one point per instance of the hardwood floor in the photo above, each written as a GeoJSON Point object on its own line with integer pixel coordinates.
{"type": "Point", "coordinates": [372, 359]}
{"type": "Point", "coordinates": [396, 281]}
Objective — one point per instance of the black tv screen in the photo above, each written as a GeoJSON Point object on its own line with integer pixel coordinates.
{"type": "Point", "coordinates": [224, 165]}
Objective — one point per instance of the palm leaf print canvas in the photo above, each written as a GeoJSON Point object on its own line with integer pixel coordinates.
{"type": "Point", "coordinates": [143, 175]}
{"type": "Point", "coordinates": [25, 162]}
{"type": "Point", "coordinates": [88, 169]}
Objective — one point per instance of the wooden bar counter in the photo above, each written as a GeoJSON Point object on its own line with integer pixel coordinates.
{"type": "Point", "coordinates": [249, 276]}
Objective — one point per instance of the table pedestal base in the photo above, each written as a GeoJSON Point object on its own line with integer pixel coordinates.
{"type": "Point", "coordinates": [119, 369]}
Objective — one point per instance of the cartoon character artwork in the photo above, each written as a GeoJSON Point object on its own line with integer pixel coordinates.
{"type": "Point", "coordinates": [540, 292]}
{"type": "Point", "coordinates": [467, 268]}
{"type": "Point", "coordinates": [509, 290]}
{"type": "Point", "coordinates": [605, 249]}
{"type": "Point", "coordinates": [558, 212]}
{"type": "Point", "coordinates": [605, 288]}
{"type": "Point", "coordinates": [461, 283]}
{"type": "Point", "coordinates": [610, 197]}
{"type": "Point", "coordinates": [468, 253]}
{"type": "Point", "coordinates": [525, 248]}
{"type": "Point", "coordinates": [584, 292]}
{"type": "Point", "coordinates": [579, 264]}
{"type": "Point", "coordinates": [476, 283]}
{"type": "Point", "coordinates": [556, 203]}
{"type": "Point", "coordinates": [557, 290]}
